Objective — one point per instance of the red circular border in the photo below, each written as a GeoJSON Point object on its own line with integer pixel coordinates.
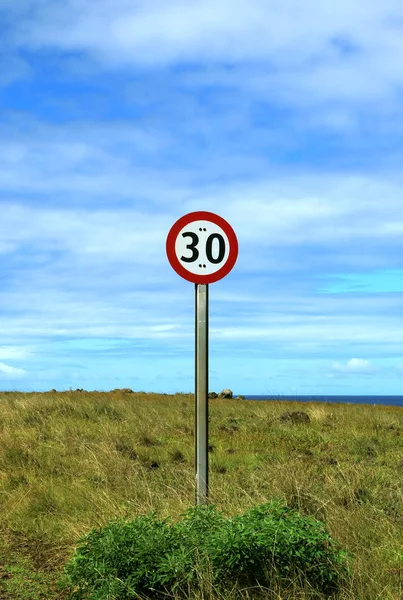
{"type": "Point", "coordinates": [205, 216]}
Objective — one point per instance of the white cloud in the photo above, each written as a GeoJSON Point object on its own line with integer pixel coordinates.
{"type": "Point", "coordinates": [130, 234]}
{"type": "Point", "coordinates": [11, 372]}
{"type": "Point", "coordinates": [306, 52]}
{"type": "Point", "coordinates": [82, 272]}
{"type": "Point", "coordinates": [286, 209]}
{"type": "Point", "coordinates": [333, 220]}
{"type": "Point", "coordinates": [13, 352]}
{"type": "Point", "coordinates": [98, 160]}
{"type": "Point", "coordinates": [354, 366]}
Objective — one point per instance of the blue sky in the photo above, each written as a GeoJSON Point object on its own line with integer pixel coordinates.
{"type": "Point", "coordinates": [285, 118]}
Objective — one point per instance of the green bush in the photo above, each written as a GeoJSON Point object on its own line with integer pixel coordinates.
{"type": "Point", "coordinates": [150, 556]}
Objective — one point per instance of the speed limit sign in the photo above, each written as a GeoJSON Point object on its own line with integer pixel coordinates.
{"type": "Point", "coordinates": [202, 247]}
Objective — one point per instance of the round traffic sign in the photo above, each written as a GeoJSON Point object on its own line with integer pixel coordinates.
{"type": "Point", "coordinates": [202, 247]}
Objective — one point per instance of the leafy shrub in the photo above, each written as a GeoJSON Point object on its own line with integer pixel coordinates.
{"type": "Point", "coordinates": [151, 556]}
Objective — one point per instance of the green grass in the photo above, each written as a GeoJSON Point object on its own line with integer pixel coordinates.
{"type": "Point", "coordinates": [72, 461]}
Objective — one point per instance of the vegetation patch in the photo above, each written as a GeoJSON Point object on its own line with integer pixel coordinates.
{"type": "Point", "coordinates": [154, 557]}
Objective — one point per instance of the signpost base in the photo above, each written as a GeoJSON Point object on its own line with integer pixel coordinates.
{"type": "Point", "coordinates": [201, 393]}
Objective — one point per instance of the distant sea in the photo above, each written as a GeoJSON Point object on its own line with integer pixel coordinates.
{"type": "Point", "coordinates": [383, 400]}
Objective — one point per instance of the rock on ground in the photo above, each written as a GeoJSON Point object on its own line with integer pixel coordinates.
{"type": "Point", "coordinates": [297, 416]}
{"type": "Point", "coordinates": [225, 394]}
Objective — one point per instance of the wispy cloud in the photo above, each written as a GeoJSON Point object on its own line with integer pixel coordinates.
{"type": "Point", "coordinates": [354, 366]}
{"type": "Point", "coordinates": [11, 372]}
{"type": "Point", "coordinates": [12, 353]}
{"type": "Point", "coordinates": [353, 50]}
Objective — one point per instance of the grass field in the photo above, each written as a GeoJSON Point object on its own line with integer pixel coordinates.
{"type": "Point", "coordinates": [72, 461]}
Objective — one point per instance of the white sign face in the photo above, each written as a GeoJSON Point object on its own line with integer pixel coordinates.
{"type": "Point", "coordinates": [202, 247]}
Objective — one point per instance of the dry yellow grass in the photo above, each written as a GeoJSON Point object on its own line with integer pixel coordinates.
{"type": "Point", "coordinates": [72, 461]}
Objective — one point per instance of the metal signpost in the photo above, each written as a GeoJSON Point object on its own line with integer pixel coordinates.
{"type": "Point", "coordinates": [202, 248]}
